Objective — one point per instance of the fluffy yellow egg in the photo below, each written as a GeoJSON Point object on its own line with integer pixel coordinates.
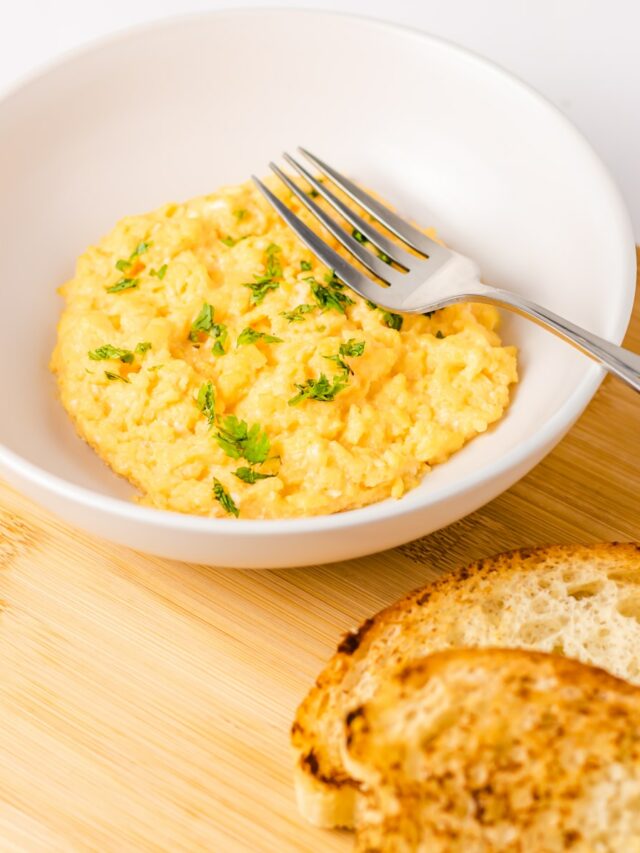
{"type": "Point", "coordinates": [208, 358]}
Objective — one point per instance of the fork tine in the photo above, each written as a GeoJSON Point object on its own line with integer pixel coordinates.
{"type": "Point", "coordinates": [383, 270]}
{"type": "Point", "coordinates": [395, 252]}
{"type": "Point", "coordinates": [414, 238]}
{"type": "Point", "coordinates": [359, 282]}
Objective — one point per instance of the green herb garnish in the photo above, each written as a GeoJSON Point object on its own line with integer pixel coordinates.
{"type": "Point", "coordinates": [206, 402]}
{"type": "Point", "coordinates": [393, 321]}
{"type": "Point", "coordinates": [228, 241]}
{"type": "Point", "coordinates": [359, 236]}
{"type": "Point", "coordinates": [260, 288]}
{"type": "Point", "coordinates": [240, 214]}
{"type": "Point", "coordinates": [140, 249]}
{"type": "Point", "coordinates": [329, 297]}
{"type": "Point", "coordinates": [224, 498]}
{"type": "Point", "coordinates": [220, 334]}
{"type": "Point", "coordinates": [160, 273]}
{"type": "Point", "coordinates": [340, 362]}
{"type": "Point", "coordinates": [123, 284]}
{"type": "Point", "coordinates": [107, 352]}
{"type": "Point", "coordinates": [320, 389]}
{"type": "Point", "coordinates": [205, 324]}
{"type": "Point", "coordinates": [124, 264]}
{"type": "Point", "coordinates": [333, 281]}
{"type": "Point", "coordinates": [115, 376]}
{"type": "Point", "coordinates": [250, 336]}
{"type": "Point", "coordinates": [305, 265]}
{"type": "Point", "coordinates": [264, 283]}
{"type": "Point", "coordinates": [238, 440]}
{"type": "Point", "coordinates": [249, 475]}
{"type": "Point", "coordinates": [274, 267]}
{"type": "Point", "coordinates": [350, 349]}
{"type": "Point", "coordinates": [297, 315]}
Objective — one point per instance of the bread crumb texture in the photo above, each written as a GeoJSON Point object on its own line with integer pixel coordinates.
{"type": "Point", "coordinates": [580, 602]}
{"type": "Point", "coordinates": [471, 751]}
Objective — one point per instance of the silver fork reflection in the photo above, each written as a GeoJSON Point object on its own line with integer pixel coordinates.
{"type": "Point", "coordinates": [410, 284]}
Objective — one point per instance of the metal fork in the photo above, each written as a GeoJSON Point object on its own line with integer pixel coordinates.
{"type": "Point", "coordinates": [415, 285]}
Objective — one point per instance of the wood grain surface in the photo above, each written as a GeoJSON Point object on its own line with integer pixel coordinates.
{"type": "Point", "coordinates": [145, 704]}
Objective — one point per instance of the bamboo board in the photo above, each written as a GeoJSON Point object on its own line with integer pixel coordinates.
{"type": "Point", "coordinates": [145, 704]}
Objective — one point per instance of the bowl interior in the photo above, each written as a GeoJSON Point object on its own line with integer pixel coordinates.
{"type": "Point", "coordinates": [177, 109]}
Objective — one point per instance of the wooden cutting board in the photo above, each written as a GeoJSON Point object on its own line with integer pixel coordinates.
{"type": "Point", "coordinates": [145, 704]}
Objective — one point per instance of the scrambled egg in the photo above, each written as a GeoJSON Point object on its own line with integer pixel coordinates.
{"type": "Point", "coordinates": [212, 361]}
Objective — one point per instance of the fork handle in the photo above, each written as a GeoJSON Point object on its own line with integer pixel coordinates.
{"type": "Point", "coordinates": [617, 360]}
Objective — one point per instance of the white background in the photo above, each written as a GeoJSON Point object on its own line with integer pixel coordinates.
{"type": "Point", "coordinates": [582, 54]}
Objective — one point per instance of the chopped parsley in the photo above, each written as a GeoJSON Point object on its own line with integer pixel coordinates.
{"type": "Point", "coordinates": [124, 263]}
{"type": "Point", "coordinates": [264, 283]}
{"type": "Point", "coordinates": [313, 192]}
{"type": "Point", "coordinates": [107, 352]}
{"type": "Point", "coordinates": [260, 288]}
{"type": "Point", "coordinates": [249, 475]}
{"type": "Point", "coordinates": [393, 321]}
{"type": "Point", "coordinates": [204, 324]}
{"type": "Point", "coordinates": [250, 336]}
{"type": "Point", "coordinates": [297, 315]}
{"type": "Point", "coordinates": [142, 347]}
{"type": "Point", "coordinates": [159, 273]}
{"type": "Point", "coordinates": [330, 297]}
{"type": "Point", "coordinates": [359, 236]}
{"type": "Point", "coordinates": [219, 338]}
{"type": "Point", "coordinates": [350, 349]}
{"type": "Point", "coordinates": [274, 267]}
{"type": "Point", "coordinates": [231, 241]}
{"type": "Point", "coordinates": [333, 281]}
{"type": "Point", "coordinates": [305, 266]}
{"type": "Point", "coordinates": [240, 214]}
{"type": "Point", "coordinates": [115, 376]}
{"type": "Point", "coordinates": [206, 402]}
{"type": "Point", "coordinates": [224, 498]}
{"type": "Point", "coordinates": [140, 249]}
{"type": "Point", "coordinates": [123, 284]}
{"type": "Point", "coordinates": [320, 389]}
{"type": "Point", "coordinates": [238, 440]}
{"type": "Point", "coordinates": [340, 362]}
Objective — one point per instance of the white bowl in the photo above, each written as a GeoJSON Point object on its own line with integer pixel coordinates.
{"type": "Point", "coordinates": [176, 109]}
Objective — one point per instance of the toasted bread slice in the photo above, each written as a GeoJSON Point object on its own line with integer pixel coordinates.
{"type": "Point", "coordinates": [583, 602]}
{"type": "Point", "coordinates": [478, 750]}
